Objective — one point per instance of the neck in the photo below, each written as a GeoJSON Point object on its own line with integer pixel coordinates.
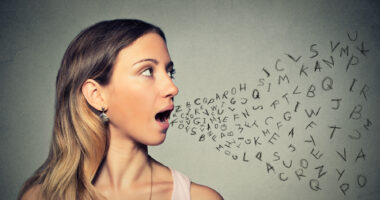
{"type": "Point", "coordinates": [126, 163]}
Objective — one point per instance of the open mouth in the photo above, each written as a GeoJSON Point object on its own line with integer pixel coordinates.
{"type": "Point", "coordinates": [163, 116]}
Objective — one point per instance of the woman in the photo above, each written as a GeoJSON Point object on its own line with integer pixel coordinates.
{"type": "Point", "coordinates": [114, 95]}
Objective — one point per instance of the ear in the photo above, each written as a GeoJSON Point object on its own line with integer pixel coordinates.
{"type": "Point", "coordinates": [92, 91]}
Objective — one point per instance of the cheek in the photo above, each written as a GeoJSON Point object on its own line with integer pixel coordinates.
{"type": "Point", "coordinates": [131, 104]}
{"type": "Point", "coordinates": [140, 103]}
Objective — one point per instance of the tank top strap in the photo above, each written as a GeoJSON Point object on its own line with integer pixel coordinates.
{"type": "Point", "coordinates": [181, 186]}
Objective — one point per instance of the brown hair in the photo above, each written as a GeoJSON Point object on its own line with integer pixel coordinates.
{"type": "Point", "coordinates": [79, 141]}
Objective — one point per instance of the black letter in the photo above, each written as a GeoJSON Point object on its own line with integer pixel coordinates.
{"type": "Point", "coordinates": [363, 182]}
{"type": "Point", "coordinates": [328, 86]}
{"type": "Point", "coordinates": [351, 62]}
{"type": "Point", "coordinates": [344, 187]}
{"type": "Point", "coordinates": [314, 51]}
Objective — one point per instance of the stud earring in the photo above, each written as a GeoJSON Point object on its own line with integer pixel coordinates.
{"type": "Point", "coordinates": [104, 116]}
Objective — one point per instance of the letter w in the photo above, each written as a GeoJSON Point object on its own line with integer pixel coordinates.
{"type": "Point", "coordinates": [311, 112]}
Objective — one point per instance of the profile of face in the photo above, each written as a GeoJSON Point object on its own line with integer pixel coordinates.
{"type": "Point", "coordinates": [139, 96]}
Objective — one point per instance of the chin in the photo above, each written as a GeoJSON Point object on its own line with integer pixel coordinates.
{"type": "Point", "coordinates": [157, 140]}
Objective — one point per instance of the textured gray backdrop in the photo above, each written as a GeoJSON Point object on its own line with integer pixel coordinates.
{"type": "Point", "coordinates": [217, 45]}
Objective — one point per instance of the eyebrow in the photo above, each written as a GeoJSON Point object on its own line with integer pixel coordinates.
{"type": "Point", "coordinates": [170, 64]}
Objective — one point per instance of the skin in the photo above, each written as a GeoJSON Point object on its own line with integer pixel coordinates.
{"type": "Point", "coordinates": [140, 87]}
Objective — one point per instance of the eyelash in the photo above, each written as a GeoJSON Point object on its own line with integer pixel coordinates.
{"type": "Point", "coordinates": [171, 74]}
{"type": "Point", "coordinates": [150, 69]}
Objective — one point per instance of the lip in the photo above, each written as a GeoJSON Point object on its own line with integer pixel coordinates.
{"type": "Point", "coordinates": [167, 108]}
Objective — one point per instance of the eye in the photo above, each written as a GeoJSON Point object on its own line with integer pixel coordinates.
{"type": "Point", "coordinates": [171, 73]}
{"type": "Point", "coordinates": [147, 72]}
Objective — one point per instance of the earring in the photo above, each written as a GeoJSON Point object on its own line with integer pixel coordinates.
{"type": "Point", "coordinates": [104, 116]}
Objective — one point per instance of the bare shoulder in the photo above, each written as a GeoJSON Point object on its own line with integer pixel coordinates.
{"type": "Point", "coordinates": [32, 193]}
{"type": "Point", "coordinates": [201, 192]}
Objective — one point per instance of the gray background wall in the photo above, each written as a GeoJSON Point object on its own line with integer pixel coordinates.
{"type": "Point", "coordinates": [217, 46]}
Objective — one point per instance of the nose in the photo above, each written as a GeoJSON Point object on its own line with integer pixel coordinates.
{"type": "Point", "coordinates": [172, 89]}
{"type": "Point", "coordinates": [169, 88]}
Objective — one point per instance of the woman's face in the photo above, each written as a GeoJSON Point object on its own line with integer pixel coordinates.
{"type": "Point", "coordinates": [140, 88]}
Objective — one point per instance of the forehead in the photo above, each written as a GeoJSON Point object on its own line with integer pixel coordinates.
{"type": "Point", "coordinates": [150, 45]}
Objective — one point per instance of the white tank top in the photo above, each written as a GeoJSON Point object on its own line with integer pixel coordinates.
{"type": "Point", "coordinates": [181, 186]}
